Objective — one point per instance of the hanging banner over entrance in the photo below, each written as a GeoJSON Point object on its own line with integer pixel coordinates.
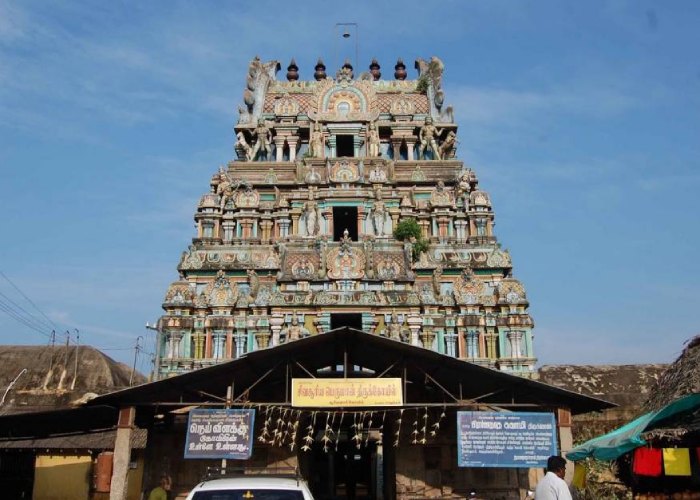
{"type": "Point", "coordinates": [220, 434]}
{"type": "Point", "coordinates": [346, 392]}
{"type": "Point", "coordinates": [495, 439]}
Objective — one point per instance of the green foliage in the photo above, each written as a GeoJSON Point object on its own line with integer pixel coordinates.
{"type": "Point", "coordinates": [407, 229]}
{"type": "Point", "coordinates": [418, 247]}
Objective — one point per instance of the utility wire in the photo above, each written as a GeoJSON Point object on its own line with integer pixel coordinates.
{"type": "Point", "coordinates": [11, 312]}
{"type": "Point", "coordinates": [26, 314]}
{"type": "Point", "coordinates": [28, 299]}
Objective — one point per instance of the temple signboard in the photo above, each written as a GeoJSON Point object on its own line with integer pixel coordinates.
{"type": "Point", "coordinates": [220, 434]}
{"type": "Point", "coordinates": [346, 392]}
{"type": "Point", "coordinates": [503, 439]}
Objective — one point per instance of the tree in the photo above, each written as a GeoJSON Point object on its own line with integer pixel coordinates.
{"type": "Point", "coordinates": [409, 230]}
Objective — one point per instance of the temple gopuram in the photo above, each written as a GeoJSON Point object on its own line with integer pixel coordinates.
{"type": "Point", "coordinates": [344, 315]}
{"type": "Point", "coordinates": [346, 206]}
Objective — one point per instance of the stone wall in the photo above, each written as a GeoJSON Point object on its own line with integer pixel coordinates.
{"type": "Point", "coordinates": [628, 386]}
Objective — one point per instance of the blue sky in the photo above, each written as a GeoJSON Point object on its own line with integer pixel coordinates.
{"type": "Point", "coordinates": [581, 119]}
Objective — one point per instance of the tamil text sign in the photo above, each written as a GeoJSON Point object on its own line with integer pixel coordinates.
{"type": "Point", "coordinates": [220, 434]}
{"type": "Point", "coordinates": [346, 392]}
{"type": "Point", "coordinates": [502, 439]}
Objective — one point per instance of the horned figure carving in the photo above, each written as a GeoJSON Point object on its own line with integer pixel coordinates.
{"type": "Point", "coordinates": [260, 75]}
{"type": "Point", "coordinates": [432, 70]}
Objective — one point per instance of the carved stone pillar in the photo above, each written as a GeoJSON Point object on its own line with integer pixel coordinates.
{"type": "Point", "coordinates": [328, 215]}
{"type": "Point", "coordinates": [396, 147]}
{"type": "Point", "coordinates": [229, 227]}
{"type": "Point", "coordinates": [229, 345]}
{"type": "Point", "coordinates": [461, 345]}
{"type": "Point", "coordinates": [425, 228]}
{"type": "Point", "coordinates": [411, 146]}
{"type": "Point", "coordinates": [451, 343]}
{"type": "Point", "coordinates": [356, 143]}
{"type": "Point", "coordinates": [247, 231]}
{"type": "Point", "coordinates": [292, 141]}
{"type": "Point", "coordinates": [282, 228]}
{"type": "Point", "coordinates": [198, 342]}
{"type": "Point", "coordinates": [208, 347]}
{"type": "Point", "coordinates": [276, 323]}
{"type": "Point", "coordinates": [279, 147]}
{"type": "Point", "coordinates": [332, 146]}
{"type": "Point", "coordinates": [266, 230]}
{"type": "Point", "coordinates": [263, 338]}
{"type": "Point", "coordinates": [295, 224]}
{"type": "Point", "coordinates": [414, 323]}
{"type": "Point", "coordinates": [427, 337]}
{"type": "Point", "coordinates": [482, 345]}
{"type": "Point", "coordinates": [461, 229]}
{"type": "Point", "coordinates": [491, 345]}
{"type": "Point", "coordinates": [443, 224]}
{"type": "Point", "coordinates": [361, 217]}
{"type": "Point", "coordinates": [240, 340]}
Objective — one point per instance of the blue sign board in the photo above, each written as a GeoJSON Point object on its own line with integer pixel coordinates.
{"type": "Point", "coordinates": [220, 434]}
{"type": "Point", "coordinates": [502, 439]}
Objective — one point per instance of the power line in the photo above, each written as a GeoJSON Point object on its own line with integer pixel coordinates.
{"type": "Point", "coordinates": [12, 313]}
{"type": "Point", "coordinates": [28, 299]}
{"type": "Point", "coordinates": [27, 315]}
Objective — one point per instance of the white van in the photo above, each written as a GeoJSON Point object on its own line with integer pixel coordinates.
{"type": "Point", "coordinates": [248, 487]}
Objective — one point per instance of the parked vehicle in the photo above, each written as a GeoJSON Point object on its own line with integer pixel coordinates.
{"type": "Point", "coordinates": [250, 487]}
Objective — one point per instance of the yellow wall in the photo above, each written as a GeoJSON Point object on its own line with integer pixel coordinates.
{"type": "Point", "coordinates": [135, 478]}
{"type": "Point", "coordinates": [61, 477]}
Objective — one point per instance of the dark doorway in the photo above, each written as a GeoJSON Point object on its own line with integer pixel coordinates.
{"type": "Point", "coordinates": [344, 471]}
{"type": "Point", "coordinates": [344, 145]}
{"type": "Point", "coordinates": [353, 320]}
{"type": "Point", "coordinates": [17, 473]}
{"type": "Point", "coordinates": [344, 218]}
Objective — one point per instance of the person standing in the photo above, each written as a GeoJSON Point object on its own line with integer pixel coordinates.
{"type": "Point", "coordinates": [552, 486]}
{"type": "Point", "coordinates": [162, 491]}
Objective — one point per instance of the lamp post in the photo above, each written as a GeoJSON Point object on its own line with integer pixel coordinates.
{"type": "Point", "coordinates": [136, 355]}
{"type": "Point", "coordinates": [156, 358]}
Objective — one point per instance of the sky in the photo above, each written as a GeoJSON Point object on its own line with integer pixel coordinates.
{"type": "Point", "coordinates": [581, 119]}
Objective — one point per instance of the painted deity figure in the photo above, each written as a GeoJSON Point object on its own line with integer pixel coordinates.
{"type": "Point", "coordinates": [294, 331]}
{"type": "Point", "coordinates": [428, 136]}
{"type": "Point", "coordinates": [242, 143]}
{"type": "Point", "coordinates": [317, 142]}
{"type": "Point", "coordinates": [464, 187]}
{"type": "Point", "coordinates": [263, 140]}
{"type": "Point", "coordinates": [311, 218]}
{"type": "Point", "coordinates": [448, 145]}
{"type": "Point", "coordinates": [225, 187]}
{"type": "Point", "coordinates": [394, 330]}
{"type": "Point", "coordinates": [372, 140]}
{"type": "Point", "coordinates": [254, 284]}
{"type": "Point", "coordinates": [437, 276]}
{"type": "Point", "coordinates": [379, 214]}
{"type": "Point", "coordinates": [377, 174]}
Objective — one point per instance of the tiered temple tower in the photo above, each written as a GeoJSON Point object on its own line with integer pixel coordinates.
{"type": "Point", "coordinates": [297, 236]}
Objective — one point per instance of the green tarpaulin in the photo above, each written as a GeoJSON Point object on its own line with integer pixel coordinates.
{"type": "Point", "coordinates": [628, 437]}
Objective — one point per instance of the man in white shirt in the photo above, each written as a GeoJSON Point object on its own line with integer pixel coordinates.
{"type": "Point", "coordinates": [552, 485]}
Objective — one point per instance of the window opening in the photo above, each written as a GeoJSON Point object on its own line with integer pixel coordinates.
{"type": "Point", "coordinates": [344, 218]}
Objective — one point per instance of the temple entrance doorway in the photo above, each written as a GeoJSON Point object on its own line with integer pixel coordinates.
{"type": "Point", "coordinates": [344, 218]}
{"type": "Point", "coordinates": [344, 145]}
{"type": "Point", "coordinates": [344, 471]}
{"type": "Point", "coordinates": [353, 320]}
